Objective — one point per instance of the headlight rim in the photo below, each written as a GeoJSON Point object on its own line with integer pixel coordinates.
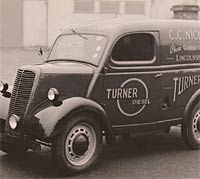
{"type": "Point", "coordinates": [54, 92]}
{"type": "Point", "coordinates": [16, 120]}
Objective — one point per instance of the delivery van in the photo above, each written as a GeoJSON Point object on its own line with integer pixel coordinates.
{"type": "Point", "coordinates": [104, 80]}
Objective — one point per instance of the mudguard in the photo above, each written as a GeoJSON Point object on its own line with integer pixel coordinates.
{"type": "Point", "coordinates": [192, 101]}
{"type": "Point", "coordinates": [49, 117]}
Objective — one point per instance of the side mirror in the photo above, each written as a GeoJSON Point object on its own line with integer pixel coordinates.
{"type": "Point", "coordinates": [3, 89]}
{"type": "Point", "coordinates": [40, 52]}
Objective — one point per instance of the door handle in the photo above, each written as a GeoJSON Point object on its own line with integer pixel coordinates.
{"type": "Point", "coordinates": [158, 75]}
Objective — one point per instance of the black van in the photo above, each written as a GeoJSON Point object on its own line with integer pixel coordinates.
{"type": "Point", "coordinates": [107, 79]}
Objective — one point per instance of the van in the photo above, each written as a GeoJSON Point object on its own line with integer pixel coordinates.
{"type": "Point", "coordinates": [105, 80]}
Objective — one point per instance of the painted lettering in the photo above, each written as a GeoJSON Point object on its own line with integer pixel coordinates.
{"type": "Point", "coordinates": [181, 84]}
{"type": "Point", "coordinates": [174, 49]}
{"type": "Point", "coordinates": [184, 34]}
{"type": "Point", "coordinates": [175, 85]}
{"type": "Point", "coordinates": [131, 97]}
{"type": "Point", "coordinates": [183, 58]}
{"type": "Point", "coordinates": [122, 93]}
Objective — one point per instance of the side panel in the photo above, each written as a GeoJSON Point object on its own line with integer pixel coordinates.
{"type": "Point", "coordinates": [180, 69]}
{"type": "Point", "coordinates": [180, 46]}
{"type": "Point", "coordinates": [132, 89]}
{"type": "Point", "coordinates": [132, 98]}
{"type": "Point", "coordinates": [177, 88]}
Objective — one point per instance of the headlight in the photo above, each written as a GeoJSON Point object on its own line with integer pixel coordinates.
{"type": "Point", "coordinates": [13, 121]}
{"type": "Point", "coordinates": [53, 94]}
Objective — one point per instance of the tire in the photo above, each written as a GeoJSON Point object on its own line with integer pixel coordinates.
{"type": "Point", "coordinates": [12, 149]}
{"type": "Point", "coordinates": [190, 129]}
{"type": "Point", "coordinates": [79, 145]}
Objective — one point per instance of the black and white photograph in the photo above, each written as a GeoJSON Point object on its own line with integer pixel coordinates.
{"type": "Point", "coordinates": [100, 89]}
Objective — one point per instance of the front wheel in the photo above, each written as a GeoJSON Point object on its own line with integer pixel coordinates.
{"type": "Point", "coordinates": [79, 145]}
{"type": "Point", "coordinates": [191, 129]}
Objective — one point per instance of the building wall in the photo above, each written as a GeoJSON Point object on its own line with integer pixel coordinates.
{"type": "Point", "coordinates": [38, 22]}
{"type": "Point", "coordinates": [64, 14]}
{"type": "Point", "coordinates": [161, 8]}
{"type": "Point", "coordinates": [35, 23]}
{"type": "Point", "coordinates": [11, 27]}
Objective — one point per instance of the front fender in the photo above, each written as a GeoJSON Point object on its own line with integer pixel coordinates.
{"type": "Point", "coordinates": [49, 117]}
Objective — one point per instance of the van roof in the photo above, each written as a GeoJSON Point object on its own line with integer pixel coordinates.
{"type": "Point", "coordinates": [119, 26]}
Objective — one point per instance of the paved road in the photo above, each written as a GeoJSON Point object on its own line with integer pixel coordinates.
{"type": "Point", "coordinates": [152, 156]}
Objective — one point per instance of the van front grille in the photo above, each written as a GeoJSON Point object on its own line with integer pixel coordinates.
{"type": "Point", "coordinates": [21, 93]}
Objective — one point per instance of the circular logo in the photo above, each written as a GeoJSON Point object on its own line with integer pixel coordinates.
{"type": "Point", "coordinates": [136, 97]}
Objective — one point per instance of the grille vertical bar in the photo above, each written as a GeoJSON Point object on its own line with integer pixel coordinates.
{"type": "Point", "coordinates": [21, 93]}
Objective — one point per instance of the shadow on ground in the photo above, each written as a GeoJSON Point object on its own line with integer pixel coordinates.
{"type": "Point", "coordinates": [123, 159]}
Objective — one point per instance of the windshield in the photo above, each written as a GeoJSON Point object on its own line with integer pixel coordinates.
{"type": "Point", "coordinates": [78, 47]}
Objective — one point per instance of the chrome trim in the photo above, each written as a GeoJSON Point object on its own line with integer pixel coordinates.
{"type": "Point", "coordinates": [160, 67]}
{"type": "Point", "coordinates": [148, 123]}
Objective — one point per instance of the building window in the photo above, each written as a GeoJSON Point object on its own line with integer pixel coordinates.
{"type": "Point", "coordinates": [109, 7]}
{"type": "Point", "coordinates": [84, 6]}
{"type": "Point", "coordinates": [135, 7]}
{"type": "Point", "coordinates": [134, 48]}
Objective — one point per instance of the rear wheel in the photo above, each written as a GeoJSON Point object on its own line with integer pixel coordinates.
{"type": "Point", "coordinates": [191, 129]}
{"type": "Point", "coordinates": [79, 145]}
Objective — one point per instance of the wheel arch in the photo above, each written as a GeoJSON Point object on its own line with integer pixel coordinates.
{"type": "Point", "coordinates": [53, 118]}
{"type": "Point", "coordinates": [191, 103]}
{"type": "Point", "coordinates": [90, 111]}
{"type": "Point", "coordinates": [187, 125]}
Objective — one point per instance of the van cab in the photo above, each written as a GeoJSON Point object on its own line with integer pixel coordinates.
{"type": "Point", "coordinates": [112, 78]}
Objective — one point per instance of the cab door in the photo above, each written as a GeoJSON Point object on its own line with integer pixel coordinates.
{"type": "Point", "coordinates": [132, 81]}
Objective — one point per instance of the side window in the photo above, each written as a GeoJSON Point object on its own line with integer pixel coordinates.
{"type": "Point", "coordinates": [138, 47]}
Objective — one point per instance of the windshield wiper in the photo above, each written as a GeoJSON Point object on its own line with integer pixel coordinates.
{"type": "Point", "coordinates": [83, 37]}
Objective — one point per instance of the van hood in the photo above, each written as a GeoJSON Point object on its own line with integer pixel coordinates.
{"type": "Point", "coordinates": [66, 68]}
{"type": "Point", "coordinates": [71, 79]}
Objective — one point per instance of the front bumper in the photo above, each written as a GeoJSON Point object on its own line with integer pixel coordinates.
{"type": "Point", "coordinates": [15, 141]}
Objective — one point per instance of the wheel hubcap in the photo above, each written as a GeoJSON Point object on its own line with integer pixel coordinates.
{"type": "Point", "coordinates": [80, 144]}
{"type": "Point", "coordinates": [196, 125]}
